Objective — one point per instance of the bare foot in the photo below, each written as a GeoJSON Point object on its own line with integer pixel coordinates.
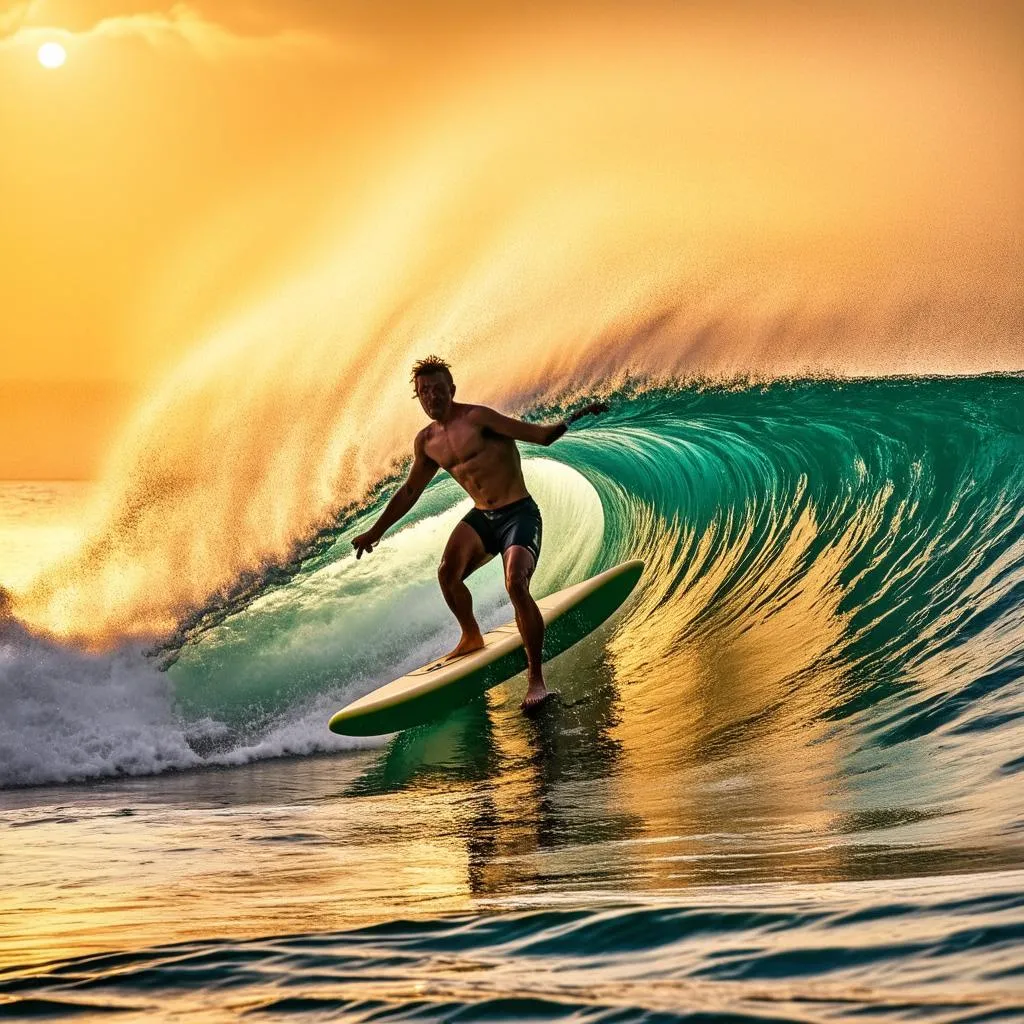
{"type": "Point", "coordinates": [467, 644]}
{"type": "Point", "coordinates": [536, 694]}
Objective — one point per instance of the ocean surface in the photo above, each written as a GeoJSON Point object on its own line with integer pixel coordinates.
{"type": "Point", "coordinates": [790, 786]}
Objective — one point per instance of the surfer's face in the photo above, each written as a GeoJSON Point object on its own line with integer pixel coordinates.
{"type": "Point", "coordinates": [435, 394]}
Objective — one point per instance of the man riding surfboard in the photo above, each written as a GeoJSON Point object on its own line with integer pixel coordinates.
{"type": "Point", "coordinates": [477, 446]}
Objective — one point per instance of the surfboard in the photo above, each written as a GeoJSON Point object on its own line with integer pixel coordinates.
{"type": "Point", "coordinates": [443, 685]}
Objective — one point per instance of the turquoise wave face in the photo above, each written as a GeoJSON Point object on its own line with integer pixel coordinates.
{"type": "Point", "coordinates": [828, 562]}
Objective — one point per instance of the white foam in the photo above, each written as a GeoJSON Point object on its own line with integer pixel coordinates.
{"type": "Point", "coordinates": [68, 715]}
{"type": "Point", "coordinates": [71, 716]}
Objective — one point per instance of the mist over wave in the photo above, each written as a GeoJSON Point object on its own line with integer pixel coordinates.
{"type": "Point", "coordinates": [641, 214]}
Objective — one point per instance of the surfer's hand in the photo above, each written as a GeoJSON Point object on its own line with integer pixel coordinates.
{"type": "Point", "coordinates": [589, 410]}
{"type": "Point", "coordinates": [365, 542]}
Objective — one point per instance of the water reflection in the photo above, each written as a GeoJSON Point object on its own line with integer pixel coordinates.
{"type": "Point", "coordinates": [458, 749]}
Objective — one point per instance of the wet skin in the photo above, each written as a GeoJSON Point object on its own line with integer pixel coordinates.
{"type": "Point", "coordinates": [477, 446]}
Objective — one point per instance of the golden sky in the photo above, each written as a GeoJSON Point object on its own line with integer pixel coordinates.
{"type": "Point", "coordinates": [184, 153]}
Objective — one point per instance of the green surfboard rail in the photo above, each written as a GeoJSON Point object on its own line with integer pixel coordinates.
{"type": "Point", "coordinates": [564, 626]}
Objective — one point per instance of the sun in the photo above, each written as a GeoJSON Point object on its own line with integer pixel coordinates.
{"type": "Point", "coordinates": [51, 55]}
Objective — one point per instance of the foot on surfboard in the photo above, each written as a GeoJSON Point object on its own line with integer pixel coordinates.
{"type": "Point", "coordinates": [533, 702]}
{"type": "Point", "coordinates": [467, 645]}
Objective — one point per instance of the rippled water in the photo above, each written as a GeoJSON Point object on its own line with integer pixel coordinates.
{"type": "Point", "coordinates": [419, 886]}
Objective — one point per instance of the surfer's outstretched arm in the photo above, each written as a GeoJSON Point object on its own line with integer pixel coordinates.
{"type": "Point", "coordinates": [535, 433]}
{"type": "Point", "coordinates": [421, 473]}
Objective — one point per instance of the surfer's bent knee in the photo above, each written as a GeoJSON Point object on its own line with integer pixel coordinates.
{"type": "Point", "coordinates": [517, 582]}
{"type": "Point", "coordinates": [448, 574]}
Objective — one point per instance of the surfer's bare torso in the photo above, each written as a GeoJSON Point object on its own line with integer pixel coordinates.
{"type": "Point", "coordinates": [483, 462]}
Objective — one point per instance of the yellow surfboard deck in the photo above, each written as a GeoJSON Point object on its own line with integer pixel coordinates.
{"type": "Point", "coordinates": [435, 689]}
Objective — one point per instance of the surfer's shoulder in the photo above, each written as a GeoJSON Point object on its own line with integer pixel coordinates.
{"type": "Point", "coordinates": [478, 414]}
{"type": "Point", "coordinates": [422, 438]}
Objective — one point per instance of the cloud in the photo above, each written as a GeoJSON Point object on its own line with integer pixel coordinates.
{"type": "Point", "coordinates": [182, 26]}
{"type": "Point", "coordinates": [14, 17]}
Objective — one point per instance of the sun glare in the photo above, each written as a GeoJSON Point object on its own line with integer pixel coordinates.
{"type": "Point", "coordinates": [51, 55]}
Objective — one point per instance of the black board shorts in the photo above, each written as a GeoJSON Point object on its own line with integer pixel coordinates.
{"type": "Point", "coordinates": [518, 522]}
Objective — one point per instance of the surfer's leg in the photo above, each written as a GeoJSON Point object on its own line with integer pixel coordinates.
{"type": "Point", "coordinates": [519, 566]}
{"type": "Point", "coordinates": [463, 554]}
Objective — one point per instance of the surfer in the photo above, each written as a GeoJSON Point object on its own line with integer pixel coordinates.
{"type": "Point", "coordinates": [477, 446]}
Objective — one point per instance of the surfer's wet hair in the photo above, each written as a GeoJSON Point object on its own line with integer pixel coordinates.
{"type": "Point", "coordinates": [432, 364]}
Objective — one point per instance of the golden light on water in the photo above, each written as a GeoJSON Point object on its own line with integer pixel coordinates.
{"type": "Point", "coordinates": [51, 55]}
